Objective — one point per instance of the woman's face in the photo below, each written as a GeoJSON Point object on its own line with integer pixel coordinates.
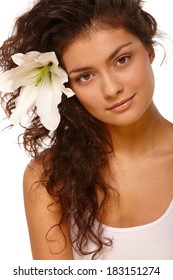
{"type": "Point", "coordinates": [110, 72]}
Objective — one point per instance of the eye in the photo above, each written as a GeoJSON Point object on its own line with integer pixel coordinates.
{"type": "Point", "coordinates": [122, 60]}
{"type": "Point", "coordinates": [84, 77]}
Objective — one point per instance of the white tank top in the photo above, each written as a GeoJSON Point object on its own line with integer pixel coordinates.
{"type": "Point", "coordinates": [153, 241]}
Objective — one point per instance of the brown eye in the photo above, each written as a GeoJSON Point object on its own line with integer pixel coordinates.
{"type": "Point", "coordinates": [85, 77]}
{"type": "Point", "coordinates": [122, 60]}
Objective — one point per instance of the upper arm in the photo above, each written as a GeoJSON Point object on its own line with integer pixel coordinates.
{"type": "Point", "coordinates": [48, 240]}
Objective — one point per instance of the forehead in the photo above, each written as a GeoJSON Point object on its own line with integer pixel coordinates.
{"type": "Point", "coordinates": [95, 45]}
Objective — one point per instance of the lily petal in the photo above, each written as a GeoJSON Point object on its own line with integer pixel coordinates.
{"type": "Point", "coordinates": [57, 88]}
{"type": "Point", "coordinates": [25, 75]}
{"type": "Point", "coordinates": [20, 58]}
{"type": "Point", "coordinates": [67, 91]}
{"type": "Point", "coordinates": [24, 103]}
{"type": "Point", "coordinates": [46, 104]}
{"type": "Point", "coordinates": [6, 81]}
{"type": "Point", "coordinates": [18, 76]}
{"type": "Point", "coordinates": [46, 58]}
{"type": "Point", "coordinates": [60, 73]}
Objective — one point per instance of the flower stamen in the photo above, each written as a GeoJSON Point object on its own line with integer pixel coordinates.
{"type": "Point", "coordinates": [42, 74]}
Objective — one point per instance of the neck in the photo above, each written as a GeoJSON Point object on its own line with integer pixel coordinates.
{"type": "Point", "coordinates": [140, 138]}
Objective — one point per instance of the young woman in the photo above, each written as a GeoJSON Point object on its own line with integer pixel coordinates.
{"type": "Point", "coordinates": [100, 182]}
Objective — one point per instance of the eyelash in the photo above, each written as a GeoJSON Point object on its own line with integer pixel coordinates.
{"type": "Point", "coordinates": [126, 57]}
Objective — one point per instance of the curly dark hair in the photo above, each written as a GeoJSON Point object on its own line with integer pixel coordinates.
{"type": "Point", "coordinates": [77, 157]}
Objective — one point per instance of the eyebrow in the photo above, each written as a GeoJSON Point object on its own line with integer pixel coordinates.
{"type": "Point", "coordinates": [112, 55]}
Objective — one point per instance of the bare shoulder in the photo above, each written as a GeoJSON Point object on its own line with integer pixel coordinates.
{"type": "Point", "coordinates": [32, 177]}
{"type": "Point", "coordinates": [48, 239]}
{"type": "Point", "coordinates": [34, 190]}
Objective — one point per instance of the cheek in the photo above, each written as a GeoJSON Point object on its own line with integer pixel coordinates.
{"type": "Point", "coordinates": [88, 96]}
{"type": "Point", "coordinates": [92, 102]}
{"type": "Point", "coordinates": [141, 76]}
{"type": "Point", "coordinates": [87, 100]}
{"type": "Point", "coordinates": [80, 94]}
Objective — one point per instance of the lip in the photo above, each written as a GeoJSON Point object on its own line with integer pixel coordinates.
{"type": "Point", "coordinates": [122, 105]}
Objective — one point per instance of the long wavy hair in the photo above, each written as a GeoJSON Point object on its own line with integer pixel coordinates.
{"type": "Point", "coordinates": [76, 159]}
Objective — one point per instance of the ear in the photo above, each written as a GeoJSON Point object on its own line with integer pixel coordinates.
{"type": "Point", "coordinates": [151, 54]}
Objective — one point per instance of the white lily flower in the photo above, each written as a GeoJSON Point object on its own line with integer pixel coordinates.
{"type": "Point", "coordinates": [41, 82]}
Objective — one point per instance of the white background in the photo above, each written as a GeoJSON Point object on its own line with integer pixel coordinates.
{"type": "Point", "coordinates": [14, 240]}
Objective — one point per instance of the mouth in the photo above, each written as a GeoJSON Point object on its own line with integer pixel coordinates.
{"type": "Point", "coordinates": [122, 105]}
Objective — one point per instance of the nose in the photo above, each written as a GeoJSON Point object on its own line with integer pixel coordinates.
{"type": "Point", "coordinates": [111, 85]}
